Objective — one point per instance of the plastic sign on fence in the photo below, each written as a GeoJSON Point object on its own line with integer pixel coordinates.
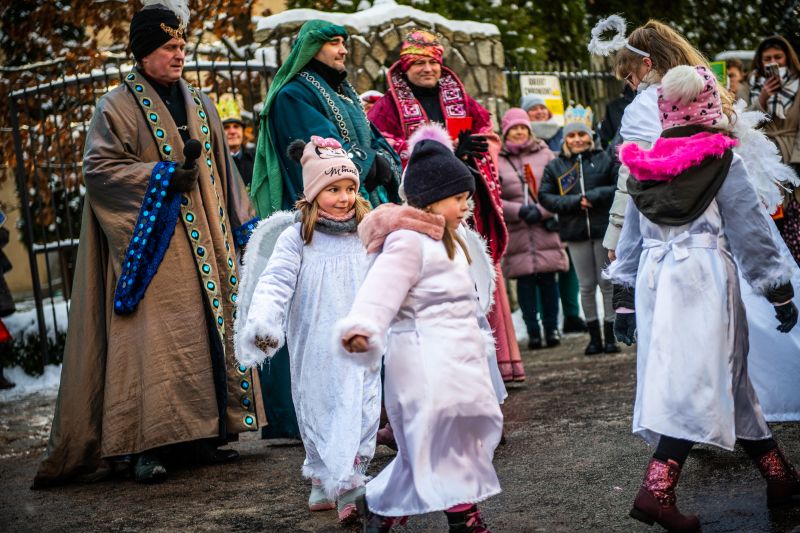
{"type": "Point", "coordinates": [720, 70]}
{"type": "Point", "coordinates": [549, 88]}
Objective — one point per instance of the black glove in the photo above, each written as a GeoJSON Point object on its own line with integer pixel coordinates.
{"type": "Point", "coordinates": [184, 179]}
{"type": "Point", "coordinates": [530, 214]}
{"type": "Point", "coordinates": [625, 328]}
{"type": "Point", "coordinates": [471, 145]}
{"type": "Point", "coordinates": [787, 316]}
{"type": "Point", "coordinates": [379, 174]}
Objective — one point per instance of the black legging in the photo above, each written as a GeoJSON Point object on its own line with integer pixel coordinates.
{"type": "Point", "coordinates": [678, 449]}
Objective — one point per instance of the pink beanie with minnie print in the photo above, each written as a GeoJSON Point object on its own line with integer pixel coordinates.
{"type": "Point", "coordinates": [690, 96]}
{"type": "Point", "coordinates": [324, 162]}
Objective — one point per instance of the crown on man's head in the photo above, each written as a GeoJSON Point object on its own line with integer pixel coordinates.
{"type": "Point", "coordinates": [579, 114]}
{"type": "Point", "coordinates": [228, 109]}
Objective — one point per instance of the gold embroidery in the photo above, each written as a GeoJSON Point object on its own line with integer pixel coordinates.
{"type": "Point", "coordinates": [172, 32]}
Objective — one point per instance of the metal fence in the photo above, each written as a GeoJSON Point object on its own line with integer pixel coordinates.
{"type": "Point", "coordinates": [595, 85]}
{"type": "Point", "coordinates": [49, 123]}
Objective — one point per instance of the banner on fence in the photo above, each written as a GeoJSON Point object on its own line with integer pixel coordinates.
{"type": "Point", "coordinates": [549, 88]}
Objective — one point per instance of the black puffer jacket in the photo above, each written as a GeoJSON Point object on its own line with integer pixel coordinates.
{"type": "Point", "coordinates": [600, 180]}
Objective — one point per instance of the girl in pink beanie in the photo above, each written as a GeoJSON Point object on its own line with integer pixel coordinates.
{"type": "Point", "coordinates": [314, 269]}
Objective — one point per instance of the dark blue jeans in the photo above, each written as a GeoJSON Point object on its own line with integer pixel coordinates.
{"type": "Point", "coordinates": [526, 295]}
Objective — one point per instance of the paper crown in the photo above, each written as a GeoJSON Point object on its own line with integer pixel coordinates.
{"type": "Point", "coordinates": [579, 115]}
{"type": "Point", "coordinates": [228, 109]}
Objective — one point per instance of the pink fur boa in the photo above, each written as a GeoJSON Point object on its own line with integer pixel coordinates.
{"type": "Point", "coordinates": [387, 218]}
{"type": "Point", "coordinates": [671, 156]}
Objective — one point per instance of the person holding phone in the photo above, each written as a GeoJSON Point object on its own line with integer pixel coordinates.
{"type": "Point", "coordinates": [774, 84]}
{"type": "Point", "coordinates": [420, 90]}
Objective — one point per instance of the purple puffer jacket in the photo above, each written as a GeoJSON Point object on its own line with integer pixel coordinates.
{"type": "Point", "coordinates": [531, 248]}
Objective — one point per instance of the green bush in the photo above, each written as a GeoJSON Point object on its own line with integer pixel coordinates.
{"type": "Point", "coordinates": [26, 352]}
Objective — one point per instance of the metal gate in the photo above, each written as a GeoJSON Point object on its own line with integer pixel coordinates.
{"type": "Point", "coordinates": [49, 123]}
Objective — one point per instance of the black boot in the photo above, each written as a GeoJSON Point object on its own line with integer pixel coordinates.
{"type": "Point", "coordinates": [375, 523]}
{"type": "Point", "coordinates": [595, 345]}
{"type": "Point", "coordinates": [553, 338]}
{"type": "Point", "coordinates": [574, 324]}
{"type": "Point", "coordinates": [611, 345]}
{"type": "Point", "coordinates": [5, 383]}
{"type": "Point", "coordinates": [535, 338]}
{"type": "Point", "coordinates": [148, 469]}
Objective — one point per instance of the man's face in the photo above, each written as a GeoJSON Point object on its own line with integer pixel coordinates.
{"type": "Point", "coordinates": [165, 64]}
{"type": "Point", "coordinates": [424, 72]}
{"type": "Point", "coordinates": [333, 53]}
{"type": "Point", "coordinates": [234, 134]}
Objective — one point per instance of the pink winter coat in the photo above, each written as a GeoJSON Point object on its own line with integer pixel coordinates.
{"type": "Point", "coordinates": [531, 248]}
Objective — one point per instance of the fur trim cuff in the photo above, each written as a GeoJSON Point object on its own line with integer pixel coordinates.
{"type": "Point", "coordinates": [248, 353]}
{"type": "Point", "coordinates": [350, 326]}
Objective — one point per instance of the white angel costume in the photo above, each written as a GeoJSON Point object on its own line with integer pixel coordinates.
{"type": "Point", "coordinates": [692, 378]}
{"type": "Point", "coordinates": [423, 308]}
{"type": "Point", "coordinates": [303, 290]}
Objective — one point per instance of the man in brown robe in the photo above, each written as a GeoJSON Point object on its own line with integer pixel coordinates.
{"type": "Point", "coordinates": [149, 359]}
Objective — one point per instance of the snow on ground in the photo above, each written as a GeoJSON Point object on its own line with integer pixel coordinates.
{"type": "Point", "coordinates": [23, 322]}
{"type": "Point", "coordinates": [47, 383]}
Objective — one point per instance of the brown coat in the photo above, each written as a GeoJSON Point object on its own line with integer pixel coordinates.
{"type": "Point", "coordinates": [531, 248]}
{"type": "Point", "coordinates": [135, 382]}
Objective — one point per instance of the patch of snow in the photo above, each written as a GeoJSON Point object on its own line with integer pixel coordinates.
{"type": "Point", "coordinates": [382, 11]}
{"type": "Point", "coordinates": [23, 322]}
{"type": "Point", "coordinates": [47, 383]}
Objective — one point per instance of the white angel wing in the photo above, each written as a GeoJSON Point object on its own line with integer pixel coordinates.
{"type": "Point", "coordinates": [256, 255]}
{"type": "Point", "coordinates": [761, 157]}
{"type": "Point", "coordinates": [482, 269]}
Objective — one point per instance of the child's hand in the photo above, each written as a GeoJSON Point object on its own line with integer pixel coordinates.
{"type": "Point", "coordinates": [266, 344]}
{"type": "Point", "coordinates": [356, 344]}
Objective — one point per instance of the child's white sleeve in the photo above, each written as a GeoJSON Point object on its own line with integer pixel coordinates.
{"type": "Point", "coordinates": [393, 273]}
{"type": "Point", "coordinates": [271, 298]}
{"type": "Point", "coordinates": [623, 270]}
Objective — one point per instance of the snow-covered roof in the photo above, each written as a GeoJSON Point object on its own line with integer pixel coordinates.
{"type": "Point", "coordinates": [382, 11]}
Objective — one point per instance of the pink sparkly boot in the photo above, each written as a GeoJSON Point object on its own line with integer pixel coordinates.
{"type": "Point", "coordinates": [783, 480]}
{"type": "Point", "coordinates": [656, 501]}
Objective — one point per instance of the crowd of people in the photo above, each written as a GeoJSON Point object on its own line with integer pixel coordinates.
{"type": "Point", "coordinates": [345, 283]}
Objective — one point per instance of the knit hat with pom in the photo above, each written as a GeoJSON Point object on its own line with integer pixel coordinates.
{"type": "Point", "coordinates": [434, 172]}
{"type": "Point", "coordinates": [324, 161]}
{"type": "Point", "coordinates": [516, 116]}
{"type": "Point", "coordinates": [690, 96]}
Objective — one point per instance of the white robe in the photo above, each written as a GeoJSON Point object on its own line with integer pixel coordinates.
{"type": "Point", "coordinates": [437, 391]}
{"type": "Point", "coordinates": [303, 291]}
{"type": "Point", "coordinates": [692, 347]}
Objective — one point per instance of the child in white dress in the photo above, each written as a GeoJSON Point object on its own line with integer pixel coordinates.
{"type": "Point", "coordinates": [310, 281]}
{"type": "Point", "coordinates": [418, 303]}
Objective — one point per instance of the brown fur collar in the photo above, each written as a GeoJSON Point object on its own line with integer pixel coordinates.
{"type": "Point", "coordinates": [387, 218]}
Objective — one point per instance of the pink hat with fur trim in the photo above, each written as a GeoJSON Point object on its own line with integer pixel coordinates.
{"type": "Point", "coordinates": [324, 162]}
{"type": "Point", "coordinates": [516, 116]}
{"type": "Point", "coordinates": [690, 96]}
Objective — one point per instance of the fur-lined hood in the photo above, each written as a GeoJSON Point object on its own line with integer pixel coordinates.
{"type": "Point", "coordinates": [388, 218]}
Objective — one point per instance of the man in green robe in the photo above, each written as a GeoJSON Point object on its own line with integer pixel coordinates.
{"type": "Point", "coordinates": [310, 95]}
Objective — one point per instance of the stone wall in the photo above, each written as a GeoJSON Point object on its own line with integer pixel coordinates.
{"type": "Point", "coordinates": [473, 50]}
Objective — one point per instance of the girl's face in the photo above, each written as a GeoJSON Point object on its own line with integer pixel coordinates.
{"type": "Point", "coordinates": [453, 209]}
{"type": "Point", "coordinates": [578, 141]}
{"type": "Point", "coordinates": [338, 198]}
{"type": "Point", "coordinates": [518, 134]}
{"type": "Point", "coordinates": [635, 77]}
{"type": "Point", "coordinates": [773, 55]}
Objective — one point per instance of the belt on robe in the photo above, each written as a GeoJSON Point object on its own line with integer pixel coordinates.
{"type": "Point", "coordinates": [679, 246]}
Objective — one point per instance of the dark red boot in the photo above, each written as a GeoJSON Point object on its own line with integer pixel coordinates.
{"type": "Point", "coordinates": [656, 500]}
{"type": "Point", "coordinates": [375, 523]}
{"type": "Point", "coordinates": [469, 521]}
{"type": "Point", "coordinates": [783, 480]}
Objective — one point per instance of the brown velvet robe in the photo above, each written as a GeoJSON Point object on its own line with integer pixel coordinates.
{"type": "Point", "coordinates": [135, 382]}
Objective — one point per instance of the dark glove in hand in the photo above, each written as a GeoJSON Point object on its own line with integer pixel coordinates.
{"type": "Point", "coordinates": [379, 174]}
{"type": "Point", "coordinates": [471, 145]}
{"type": "Point", "coordinates": [787, 316]}
{"type": "Point", "coordinates": [625, 328]}
{"type": "Point", "coordinates": [184, 179]}
{"type": "Point", "coordinates": [530, 214]}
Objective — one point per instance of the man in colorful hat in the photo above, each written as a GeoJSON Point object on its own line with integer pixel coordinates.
{"type": "Point", "coordinates": [421, 89]}
{"type": "Point", "coordinates": [149, 368]}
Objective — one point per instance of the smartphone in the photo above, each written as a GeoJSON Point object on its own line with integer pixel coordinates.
{"type": "Point", "coordinates": [772, 69]}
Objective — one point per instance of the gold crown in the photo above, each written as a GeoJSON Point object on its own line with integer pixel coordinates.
{"type": "Point", "coordinates": [228, 108]}
{"type": "Point", "coordinates": [579, 114]}
{"type": "Point", "coordinates": [175, 33]}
